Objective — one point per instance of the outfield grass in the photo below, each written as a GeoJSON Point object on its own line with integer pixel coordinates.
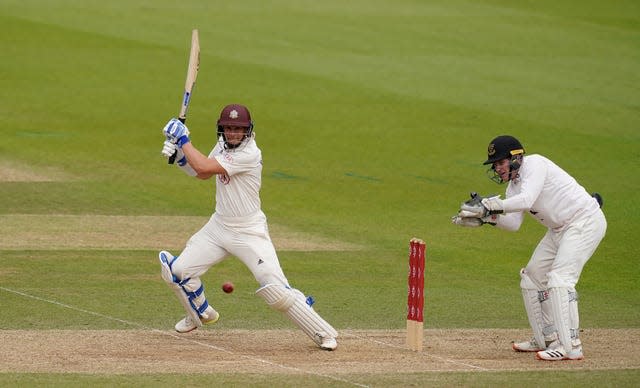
{"type": "Point", "coordinates": [373, 117]}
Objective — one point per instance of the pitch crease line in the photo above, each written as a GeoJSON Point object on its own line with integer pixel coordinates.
{"type": "Point", "coordinates": [421, 353]}
{"type": "Point", "coordinates": [139, 325]}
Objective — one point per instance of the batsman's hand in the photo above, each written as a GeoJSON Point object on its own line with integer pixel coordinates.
{"type": "Point", "coordinates": [176, 132]}
{"type": "Point", "coordinates": [169, 148]}
{"type": "Point", "coordinates": [480, 207]}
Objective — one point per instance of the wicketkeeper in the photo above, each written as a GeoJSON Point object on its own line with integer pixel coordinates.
{"type": "Point", "coordinates": [238, 227]}
{"type": "Point", "coordinates": [576, 225]}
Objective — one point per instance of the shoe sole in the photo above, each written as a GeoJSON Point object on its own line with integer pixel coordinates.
{"type": "Point", "coordinates": [211, 321]}
{"type": "Point", "coordinates": [516, 349]}
{"type": "Point", "coordinates": [329, 348]}
{"type": "Point", "coordinates": [186, 331]}
{"type": "Point", "coordinates": [581, 357]}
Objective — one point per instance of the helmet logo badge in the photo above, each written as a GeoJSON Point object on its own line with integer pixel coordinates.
{"type": "Point", "coordinates": [492, 149]}
{"type": "Point", "coordinates": [233, 114]}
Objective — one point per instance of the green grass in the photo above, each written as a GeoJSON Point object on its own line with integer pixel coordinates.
{"type": "Point", "coordinates": [373, 118]}
{"type": "Point", "coordinates": [435, 379]}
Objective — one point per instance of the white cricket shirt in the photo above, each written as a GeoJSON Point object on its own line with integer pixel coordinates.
{"type": "Point", "coordinates": [238, 191]}
{"type": "Point", "coordinates": [550, 194]}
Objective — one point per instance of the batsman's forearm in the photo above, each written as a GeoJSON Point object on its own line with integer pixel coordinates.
{"type": "Point", "coordinates": [203, 166]}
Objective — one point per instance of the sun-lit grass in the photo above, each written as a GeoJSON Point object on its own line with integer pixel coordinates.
{"type": "Point", "coordinates": [373, 117]}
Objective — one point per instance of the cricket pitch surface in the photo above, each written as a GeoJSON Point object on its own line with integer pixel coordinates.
{"type": "Point", "coordinates": [291, 352]}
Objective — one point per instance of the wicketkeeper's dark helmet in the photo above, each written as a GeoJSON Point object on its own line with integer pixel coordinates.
{"type": "Point", "coordinates": [234, 115]}
{"type": "Point", "coordinates": [503, 147]}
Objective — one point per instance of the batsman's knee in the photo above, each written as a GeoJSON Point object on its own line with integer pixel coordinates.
{"type": "Point", "coordinates": [277, 296]}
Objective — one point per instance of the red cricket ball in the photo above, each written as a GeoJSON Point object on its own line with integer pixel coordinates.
{"type": "Point", "coordinates": [227, 287]}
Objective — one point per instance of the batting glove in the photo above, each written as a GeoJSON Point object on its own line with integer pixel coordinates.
{"type": "Point", "coordinates": [176, 132]}
{"type": "Point", "coordinates": [169, 148]}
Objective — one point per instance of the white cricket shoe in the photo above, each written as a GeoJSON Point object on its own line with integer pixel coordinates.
{"type": "Point", "coordinates": [558, 353]}
{"type": "Point", "coordinates": [186, 324]}
{"type": "Point", "coordinates": [329, 343]}
{"type": "Point", "coordinates": [532, 345]}
{"type": "Point", "coordinates": [527, 346]}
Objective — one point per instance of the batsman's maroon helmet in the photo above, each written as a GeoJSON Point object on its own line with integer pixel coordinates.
{"type": "Point", "coordinates": [234, 115]}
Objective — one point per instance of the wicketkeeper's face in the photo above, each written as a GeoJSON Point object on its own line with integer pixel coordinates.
{"type": "Point", "coordinates": [234, 135]}
{"type": "Point", "coordinates": [502, 168]}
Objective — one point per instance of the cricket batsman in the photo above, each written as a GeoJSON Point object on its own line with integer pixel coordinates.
{"type": "Point", "coordinates": [575, 226]}
{"type": "Point", "coordinates": [238, 227]}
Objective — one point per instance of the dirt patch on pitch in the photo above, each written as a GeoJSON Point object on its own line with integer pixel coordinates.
{"type": "Point", "coordinates": [15, 172]}
{"type": "Point", "coordinates": [26, 231]}
{"type": "Point", "coordinates": [290, 352]}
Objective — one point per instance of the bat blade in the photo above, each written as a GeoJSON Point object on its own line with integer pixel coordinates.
{"type": "Point", "coordinates": [190, 82]}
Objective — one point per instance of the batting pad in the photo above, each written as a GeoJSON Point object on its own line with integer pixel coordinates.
{"type": "Point", "coordinates": [293, 303]}
{"type": "Point", "coordinates": [168, 277]}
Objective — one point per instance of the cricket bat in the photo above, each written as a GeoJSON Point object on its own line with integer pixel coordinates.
{"type": "Point", "coordinates": [192, 74]}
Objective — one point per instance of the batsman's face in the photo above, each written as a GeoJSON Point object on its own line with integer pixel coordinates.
{"type": "Point", "coordinates": [502, 168]}
{"type": "Point", "coordinates": [234, 135]}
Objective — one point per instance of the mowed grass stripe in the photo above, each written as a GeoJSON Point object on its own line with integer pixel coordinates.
{"type": "Point", "coordinates": [59, 231]}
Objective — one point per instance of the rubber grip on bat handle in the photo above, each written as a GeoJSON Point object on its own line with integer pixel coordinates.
{"type": "Point", "coordinates": [172, 158]}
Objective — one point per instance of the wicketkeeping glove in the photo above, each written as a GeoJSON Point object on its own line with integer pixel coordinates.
{"type": "Point", "coordinates": [474, 221]}
{"type": "Point", "coordinates": [480, 207]}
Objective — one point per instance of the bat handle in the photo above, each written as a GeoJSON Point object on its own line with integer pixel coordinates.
{"type": "Point", "coordinates": [172, 158]}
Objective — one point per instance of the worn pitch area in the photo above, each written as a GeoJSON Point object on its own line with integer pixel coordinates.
{"type": "Point", "coordinates": [290, 352]}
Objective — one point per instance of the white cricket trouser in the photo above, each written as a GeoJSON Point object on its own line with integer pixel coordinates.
{"type": "Point", "coordinates": [246, 238]}
{"type": "Point", "coordinates": [559, 258]}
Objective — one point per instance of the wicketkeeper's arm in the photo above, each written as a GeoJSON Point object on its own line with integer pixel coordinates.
{"type": "Point", "coordinates": [509, 221]}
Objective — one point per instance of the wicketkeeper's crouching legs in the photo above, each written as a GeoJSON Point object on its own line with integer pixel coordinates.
{"type": "Point", "coordinates": [564, 305]}
{"type": "Point", "coordinates": [294, 305]}
{"type": "Point", "coordinates": [538, 310]}
{"type": "Point", "coordinates": [190, 293]}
